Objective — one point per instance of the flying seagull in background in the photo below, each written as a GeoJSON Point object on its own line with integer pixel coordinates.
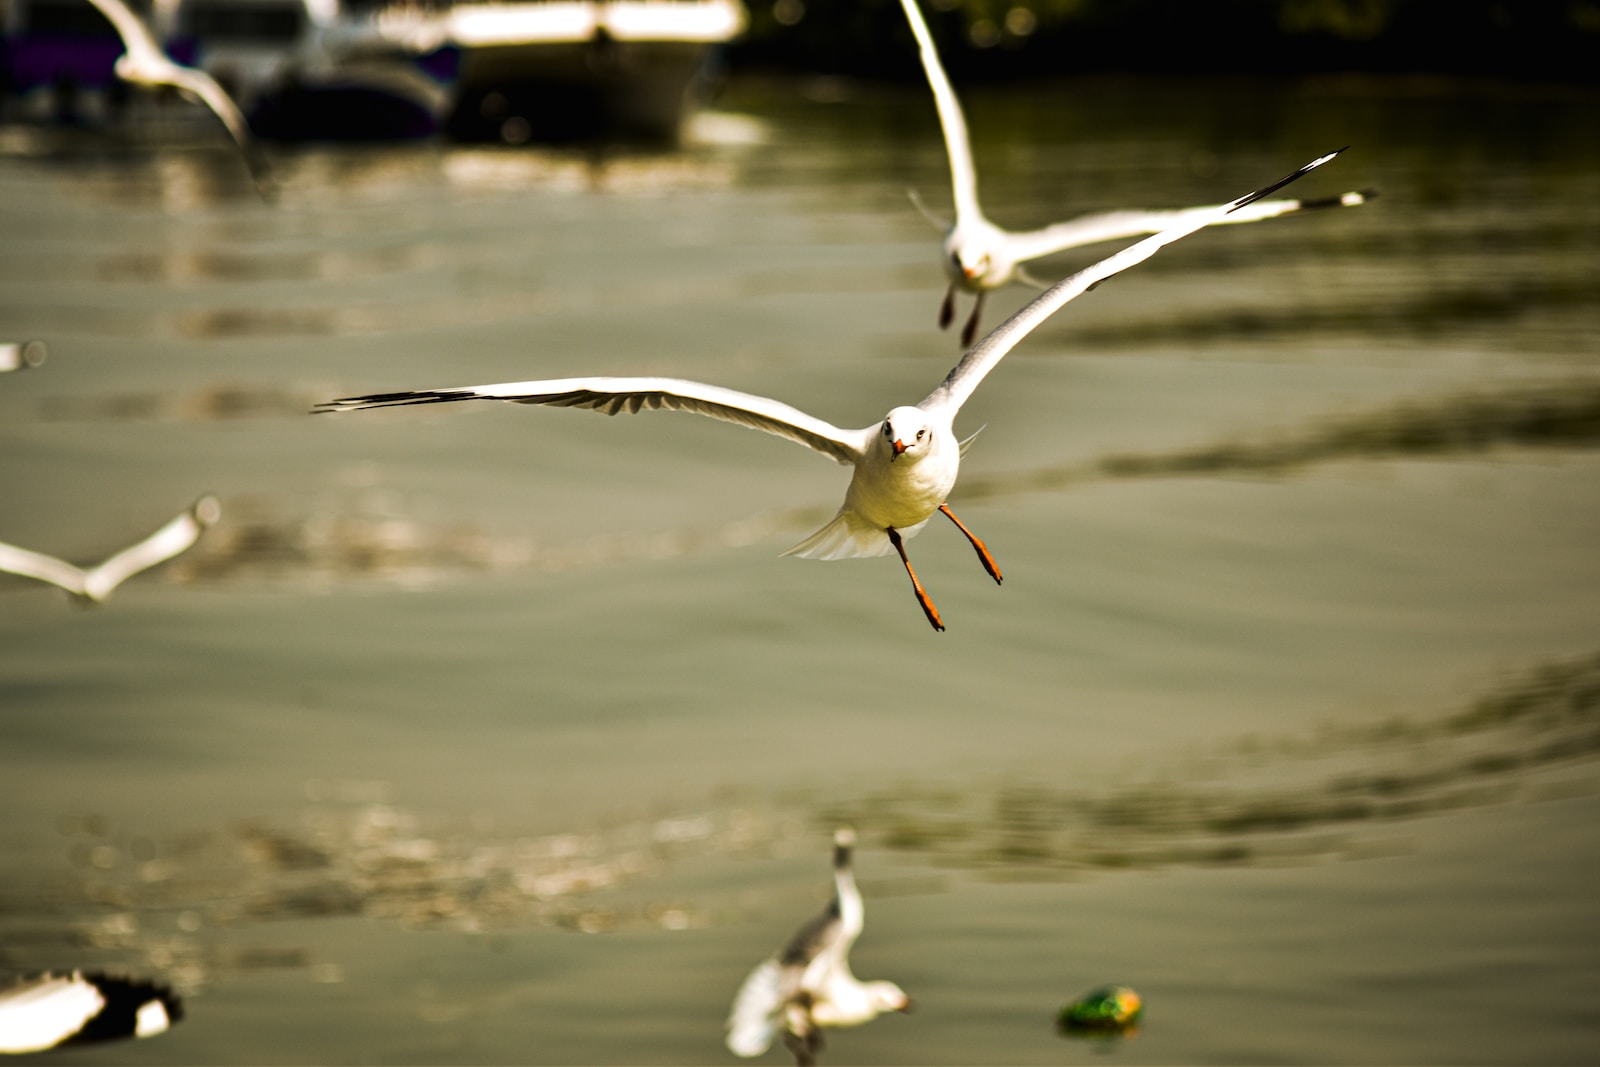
{"type": "Point", "coordinates": [144, 63]}
{"type": "Point", "coordinates": [808, 985]}
{"type": "Point", "coordinates": [96, 583]}
{"type": "Point", "coordinates": [904, 467]}
{"type": "Point", "coordinates": [980, 256]}
{"type": "Point", "coordinates": [50, 1010]}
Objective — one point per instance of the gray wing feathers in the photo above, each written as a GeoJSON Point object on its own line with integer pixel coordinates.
{"type": "Point", "coordinates": [1116, 225]}
{"type": "Point", "coordinates": [813, 939]}
{"type": "Point", "coordinates": [613, 396]}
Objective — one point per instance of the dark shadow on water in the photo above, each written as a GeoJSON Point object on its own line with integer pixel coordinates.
{"type": "Point", "coordinates": [1563, 415]}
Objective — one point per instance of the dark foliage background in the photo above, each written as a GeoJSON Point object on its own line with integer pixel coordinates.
{"type": "Point", "coordinates": [999, 39]}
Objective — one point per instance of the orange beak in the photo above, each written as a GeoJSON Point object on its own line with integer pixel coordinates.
{"type": "Point", "coordinates": [899, 447]}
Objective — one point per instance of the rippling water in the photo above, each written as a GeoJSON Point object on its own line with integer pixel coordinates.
{"type": "Point", "coordinates": [502, 735]}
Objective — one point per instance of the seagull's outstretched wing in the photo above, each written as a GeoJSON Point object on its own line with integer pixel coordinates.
{"type": "Point", "coordinates": [957, 145]}
{"type": "Point", "coordinates": [982, 357]}
{"type": "Point", "coordinates": [172, 539]}
{"type": "Point", "coordinates": [757, 1013]}
{"type": "Point", "coordinates": [136, 36]}
{"type": "Point", "coordinates": [214, 96]}
{"type": "Point", "coordinates": [97, 583]}
{"type": "Point", "coordinates": [148, 64]}
{"type": "Point", "coordinates": [1115, 225]}
{"type": "Point", "coordinates": [29, 564]}
{"type": "Point", "coordinates": [613, 395]}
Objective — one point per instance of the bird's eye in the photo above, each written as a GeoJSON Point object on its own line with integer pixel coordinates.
{"type": "Point", "coordinates": [888, 431]}
{"type": "Point", "coordinates": [920, 433]}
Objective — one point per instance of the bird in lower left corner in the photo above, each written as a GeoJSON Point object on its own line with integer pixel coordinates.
{"type": "Point", "coordinates": [46, 1011]}
{"type": "Point", "coordinates": [94, 584]}
{"type": "Point", "coordinates": [808, 984]}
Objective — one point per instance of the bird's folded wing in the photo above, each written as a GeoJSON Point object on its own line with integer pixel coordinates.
{"type": "Point", "coordinates": [44, 568]}
{"type": "Point", "coordinates": [614, 395]}
{"type": "Point", "coordinates": [1116, 225]}
{"type": "Point", "coordinates": [756, 1015]}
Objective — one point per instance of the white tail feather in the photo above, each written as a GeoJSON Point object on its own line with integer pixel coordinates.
{"type": "Point", "coordinates": [847, 537]}
{"type": "Point", "coordinates": [753, 1022]}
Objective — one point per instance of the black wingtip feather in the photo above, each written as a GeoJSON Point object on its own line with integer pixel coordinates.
{"type": "Point", "coordinates": [393, 400]}
{"type": "Point", "coordinates": [1286, 179]}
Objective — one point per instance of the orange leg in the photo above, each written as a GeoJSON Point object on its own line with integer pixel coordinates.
{"type": "Point", "coordinates": [922, 594]}
{"type": "Point", "coordinates": [983, 551]}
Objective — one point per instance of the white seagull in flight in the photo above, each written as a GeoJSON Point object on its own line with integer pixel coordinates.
{"type": "Point", "coordinates": [905, 466]}
{"type": "Point", "coordinates": [980, 256]}
{"type": "Point", "coordinates": [144, 63]}
{"type": "Point", "coordinates": [96, 583]}
{"type": "Point", "coordinates": [808, 985]}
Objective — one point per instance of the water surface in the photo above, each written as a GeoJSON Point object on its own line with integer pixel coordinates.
{"type": "Point", "coordinates": [495, 735]}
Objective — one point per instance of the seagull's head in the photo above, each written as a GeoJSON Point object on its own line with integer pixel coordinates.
{"type": "Point", "coordinates": [207, 511]}
{"type": "Point", "coordinates": [906, 433]}
{"type": "Point", "coordinates": [971, 262]}
{"type": "Point", "coordinates": [975, 254]}
{"type": "Point", "coordinates": [886, 996]}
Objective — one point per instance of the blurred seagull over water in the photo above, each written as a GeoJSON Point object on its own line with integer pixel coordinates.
{"type": "Point", "coordinates": [144, 63]}
{"type": "Point", "coordinates": [96, 583]}
{"type": "Point", "coordinates": [904, 466]}
{"type": "Point", "coordinates": [980, 256]}
{"type": "Point", "coordinates": [50, 1010]}
{"type": "Point", "coordinates": [808, 985]}
{"type": "Point", "coordinates": [20, 355]}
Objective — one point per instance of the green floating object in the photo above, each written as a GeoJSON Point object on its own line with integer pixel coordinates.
{"type": "Point", "coordinates": [1110, 1010]}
